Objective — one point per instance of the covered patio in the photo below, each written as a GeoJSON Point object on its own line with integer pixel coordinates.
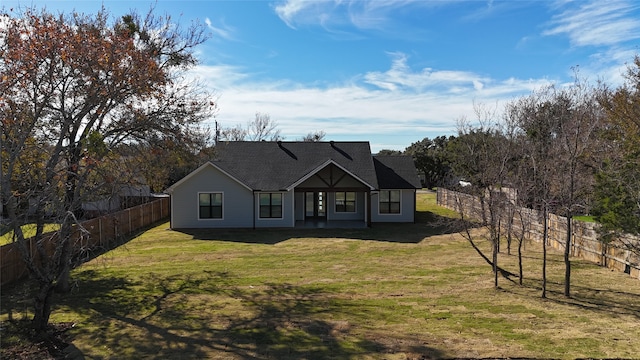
{"type": "Point", "coordinates": [330, 224]}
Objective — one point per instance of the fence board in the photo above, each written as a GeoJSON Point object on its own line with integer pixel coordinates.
{"type": "Point", "coordinates": [103, 233]}
{"type": "Point", "coordinates": [584, 241]}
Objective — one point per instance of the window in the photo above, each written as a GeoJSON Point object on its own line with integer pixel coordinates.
{"type": "Point", "coordinates": [271, 205]}
{"type": "Point", "coordinates": [210, 205]}
{"type": "Point", "coordinates": [389, 202]}
{"type": "Point", "coordinates": [346, 201]}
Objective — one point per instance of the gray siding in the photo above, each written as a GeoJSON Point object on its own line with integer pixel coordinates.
{"type": "Point", "coordinates": [287, 219]}
{"type": "Point", "coordinates": [236, 201]}
{"type": "Point", "coordinates": [360, 213]}
{"type": "Point", "coordinates": [299, 206]}
{"type": "Point", "coordinates": [407, 208]}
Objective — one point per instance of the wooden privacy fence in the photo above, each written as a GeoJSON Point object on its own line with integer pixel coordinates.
{"type": "Point", "coordinates": [584, 242]}
{"type": "Point", "coordinates": [102, 233]}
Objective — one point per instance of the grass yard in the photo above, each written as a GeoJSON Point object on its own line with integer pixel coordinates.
{"type": "Point", "coordinates": [29, 230]}
{"type": "Point", "coordinates": [396, 291]}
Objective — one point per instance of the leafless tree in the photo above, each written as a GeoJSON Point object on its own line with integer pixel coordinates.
{"type": "Point", "coordinates": [483, 159]}
{"type": "Point", "coordinates": [581, 120]}
{"type": "Point", "coordinates": [314, 136]}
{"type": "Point", "coordinates": [263, 128]}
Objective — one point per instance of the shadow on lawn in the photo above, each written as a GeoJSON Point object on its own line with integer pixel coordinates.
{"type": "Point", "coordinates": [603, 300]}
{"type": "Point", "coordinates": [427, 224]}
{"type": "Point", "coordinates": [189, 318]}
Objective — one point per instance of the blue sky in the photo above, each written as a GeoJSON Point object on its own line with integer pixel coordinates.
{"type": "Point", "coordinates": [389, 71]}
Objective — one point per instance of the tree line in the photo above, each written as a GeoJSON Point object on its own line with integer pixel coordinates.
{"type": "Point", "coordinates": [571, 149]}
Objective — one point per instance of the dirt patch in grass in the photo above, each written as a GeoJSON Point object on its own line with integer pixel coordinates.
{"type": "Point", "coordinates": [20, 342]}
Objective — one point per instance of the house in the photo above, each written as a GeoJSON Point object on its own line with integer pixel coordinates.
{"type": "Point", "coordinates": [124, 195]}
{"type": "Point", "coordinates": [288, 184]}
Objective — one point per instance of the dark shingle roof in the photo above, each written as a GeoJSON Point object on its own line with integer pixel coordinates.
{"type": "Point", "coordinates": [396, 172]}
{"type": "Point", "coordinates": [269, 165]}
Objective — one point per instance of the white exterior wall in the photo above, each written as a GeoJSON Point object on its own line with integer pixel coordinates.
{"type": "Point", "coordinates": [287, 219]}
{"type": "Point", "coordinates": [407, 207]}
{"type": "Point", "coordinates": [359, 214]}
{"type": "Point", "coordinates": [237, 200]}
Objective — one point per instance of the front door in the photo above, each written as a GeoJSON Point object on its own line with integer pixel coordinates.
{"type": "Point", "coordinates": [315, 204]}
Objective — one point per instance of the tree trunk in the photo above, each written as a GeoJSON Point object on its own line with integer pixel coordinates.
{"type": "Point", "coordinates": [509, 229]}
{"type": "Point", "coordinates": [567, 262]}
{"type": "Point", "coordinates": [42, 307]}
{"type": "Point", "coordinates": [545, 238]}
{"type": "Point", "coordinates": [62, 284]}
{"type": "Point", "coordinates": [495, 262]}
{"type": "Point", "coordinates": [520, 272]}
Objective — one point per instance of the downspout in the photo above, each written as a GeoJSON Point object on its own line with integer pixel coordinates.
{"type": "Point", "coordinates": [254, 209]}
{"type": "Point", "coordinates": [170, 212]}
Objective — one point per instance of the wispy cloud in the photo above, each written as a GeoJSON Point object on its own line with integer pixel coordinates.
{"type": "Point", "coordinates": [291, 11]}
{"type": "Point", "coordinates": [596, 23]}
{"type": "Point", "coordinates": [392, 108]}
{"type": "Point", "coordinates": [401, 77]}
{"type": "Point", "coordinates": [336, 14]}
{"type": "Point", "coordinates": [222, 31]}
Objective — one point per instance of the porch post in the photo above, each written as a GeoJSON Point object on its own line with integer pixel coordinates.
{"type": "Point", "coordinates": [415, 204]}
{"type": "Point", "coordinates": [368, 200]}
{"type": "Point", "coordinates": [254, 209]}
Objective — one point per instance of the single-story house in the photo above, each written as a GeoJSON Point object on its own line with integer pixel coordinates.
{"type": "Point", "coordinates": [259, 184]}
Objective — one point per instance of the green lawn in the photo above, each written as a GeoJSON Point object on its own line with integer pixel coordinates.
{"type": "Point", "coordinates": [396, 291]}
{"type": "Point", "coordinates": [29, 230]}
{"type": "Point", "coordinates": [585, 218]}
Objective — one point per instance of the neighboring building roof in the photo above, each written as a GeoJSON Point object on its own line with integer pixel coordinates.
{"type": "Point", "coordinates": [281, 165]}
{"type": "Point", "coordinates": [396, 172]}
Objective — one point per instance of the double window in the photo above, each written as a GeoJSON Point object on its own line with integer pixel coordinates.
{"type": "Point", "coordinates": [271, 205]}
{"type": "Point", "coordinates": [210, 205]}
{"type": "Point", "coordinates": [389, 201]}
{"type": "Point", "coordinates": [345, 201]}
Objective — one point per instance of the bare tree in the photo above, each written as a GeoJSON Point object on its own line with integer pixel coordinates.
{"type": "Point", "coordinates": [483, 158]}
{"type": "Point", "coordinates": [314, 136]}
{"type": "Point", "coordinates": [581, 121]}
{"type": "Point", "coordinates": [539, 116]}
{"type": "Point", "coordinates": [263, 128]}
{"type": "Point", "coordinates": [236, 133]}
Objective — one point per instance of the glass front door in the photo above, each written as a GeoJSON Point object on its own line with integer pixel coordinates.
{"type": "Point", "coordinates": [315, 204]}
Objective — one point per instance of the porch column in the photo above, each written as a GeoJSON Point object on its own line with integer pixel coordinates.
{"type": "Point", "coordinates": [415, 204]}
{"type": "Point", "coordinates": [368, 200]}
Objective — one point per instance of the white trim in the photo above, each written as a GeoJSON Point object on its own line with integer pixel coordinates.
{"type": "Point", "coordinates": [355, 201]}
{"type": "Point", "coordinates": [198, 202]}
{"type": "Point", "coordinates": [390, 214]}
{"type": "Point", "coordinates": [281, 206]}
{"type": "Point", "coordinates": [172, 188]}
{"type": "Point", "coordinates": [322, 166]}
{"type": "Point", "coordinates": [293, 208]}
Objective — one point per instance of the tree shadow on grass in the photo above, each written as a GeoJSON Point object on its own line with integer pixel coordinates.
{"type": "Point", "coordinates": [603, 300]}
{"type": "Point", "coordinates": [208, 315]}
{"type": "Point", "coordinates": [427, 224]}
